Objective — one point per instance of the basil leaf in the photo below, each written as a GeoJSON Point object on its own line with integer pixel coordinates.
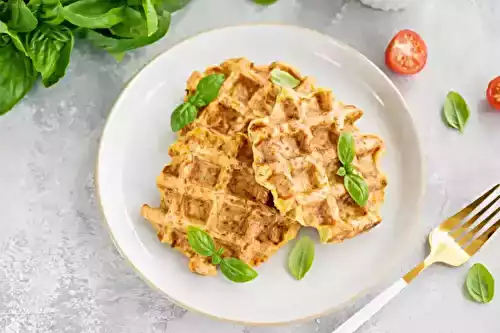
{"type": "Point", "coordinates": [50, 48]}
{"type": "Point", "coordinates": [4, 11]}
{"type": "Point", "coordinates": [119, 45]}
{"type": "Point", "coordinates": [237, 271]}
{"type": "Point", "coordinates": [349, 169]}
{"type": "Point", "coordinates": [284, 79]}
{"type": "Point", "coordinates": [265, 2]}
{"type": "Point", "coordinates": [480, 284]}
{"type": "Point", "coordinates": [216, 259]}
{"type": "Point", "coordinates": [134, 3]}
{"type": "Point", "coordinates": [357, 188]}
{"type": "Point", "coordinates": [345, 148]}
{"type": "Point", "coordinates": [196, 100]}
{"type": "Point", "coordinates": [94, 14]}
{"type": "Point", "coordinates": [11, 37]}
{"type": "Point", "coordinates": [341, 172]}
{"type": "Point", "coordinates": [151, 17]}
{"type": "Point", "coordinates": [208, 88]}
{"type": "Point", "coordinates": [200, 241]}
{"type": "Point", "coordinates": [301, 258]}
{"type": "Point", "coordinates": [172, 5]}
{"type": "Point", "coordinates": [183, 115]}
{"type": "Point", "coordinates": [21, 17]}
{"type": "Point", "coordinates": [456, 111]}
{"type": "Point", "coordinates": [47, 11]}
{"type": "Point", "coordinates": [17, 74]}
{"type": "Point", "coordinates": [133, 25]}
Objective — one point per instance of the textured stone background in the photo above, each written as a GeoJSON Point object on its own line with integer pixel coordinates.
{"type": "Point", "coordinates": [59, 271]}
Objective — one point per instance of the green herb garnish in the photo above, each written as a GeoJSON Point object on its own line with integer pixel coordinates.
{"type": "Point", "coordinates": [480, 284]}
{"type": "Point", "coordinates": [17, 71]}
{"type": "Point", "coordinates": [49, 47]}
{"type": "Point", "coordinates": [357, 188]}
{"type": "Point", "coordinates": [284, 79]}
{"type": "Point", "coordinates": [37, 36]}
{"type": "Point", "coordinates": [151, 16]}
{"type": "Point", "coordinates": [237, 271]}
{"type": "Point", "coordinates": [265, 2]}
{"type": "Point", "coordinates": [21, 18]}
{"type": "Point", "coordinates": [301, 258]}
{"type": "Point", "coordinates": [208, 88]}
{"type": "Point", "coordinates": [115, 45]}
{"type": "Point", "coordinates": [206, 91]}
{"type": "Point", "coordinates": [456, 111]}
{"type": "Point", "coordinates": [94, 14]}
{"type": "Point", "coordinates": [353, 181]}
{"type": "Point", "coordinates": [232, 268]}
{"type": "Point", "coordinates": [201, 242]}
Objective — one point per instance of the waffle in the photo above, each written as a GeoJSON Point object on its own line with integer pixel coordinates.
{"type": "Point", "coordinates": [247, 94]}
{"type": "Point", "coordinates": [295, 156]}
{"type": "Point", "coordinates": [210, 184]}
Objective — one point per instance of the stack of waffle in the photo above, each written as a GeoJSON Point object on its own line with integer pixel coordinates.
{"type": "Point", "coordinates": [258, 162]}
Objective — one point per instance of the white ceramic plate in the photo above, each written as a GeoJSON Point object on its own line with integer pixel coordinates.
{"type": "Point", "coordinates": [134, 148]}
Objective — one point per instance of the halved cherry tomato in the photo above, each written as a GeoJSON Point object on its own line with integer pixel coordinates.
{"type": "Point", "coordinates": [493, 93]}
{"type": "Point", "coordinates": [406, 53]}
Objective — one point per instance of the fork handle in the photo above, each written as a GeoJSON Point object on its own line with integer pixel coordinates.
{"type": "Point", "coordinates": [374, 306]}
{"type": "Point", "coordinates": [370, 309]}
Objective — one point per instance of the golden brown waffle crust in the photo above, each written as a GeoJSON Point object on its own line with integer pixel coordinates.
{"type": "Point", "coordinates": [295, 157]}
{"type": "Point", "coordinates": [210, 185]}
{"type": "Point", "coordinates": [220, 177]}
{"type": "Point", "coordinates": [247, 94]}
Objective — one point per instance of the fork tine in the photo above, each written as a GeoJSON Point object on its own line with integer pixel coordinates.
{"type": "Point", "coordinates": [455, 220]}
{"type": "Point", "coordinates": [455, 234]}
{"type": "Point", "coordinates": [468, 236]}
{"type": "Point", "coordinates": [476, 244]}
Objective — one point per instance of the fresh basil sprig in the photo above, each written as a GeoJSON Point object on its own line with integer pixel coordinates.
{"type": "Point", "coordinates": [237, 271]}
{"type": "Point", "coordinates": [346, 148]}
{"type": "Point", "coordinates": [47, 11]}
{"type": "Point", "coordinates": [21, 17]}
{"type": "Point", "coordinates": [37, 36]}
{"type": "Point", "coordinates": [353, 182]}
{"type": "Point", "coordinates": [151, 16]}
{"type": "Point", "coordinates": [17, 71]}
{"type": "Point", "coordinates": [456, 111]}
{"type": "Point", "coordinates": [232, 268]}
{"type": "Point", "coordinates": [94, 14]}
{"type": "Point", "coordinates": [201, 242]}
{"type": "Point", "coordinates": [264, 2]}
{"type": "Point", "coordinates": [284, 79]}
{"type": "Point", "coordinates": [116, 45]}
{"type": "Point", "coordinates": [206, 91]}
{"type": "Point", "coordinates": [49, 47]}
{"type": "Point", "coordinates": [480, 284]}
{"type": "Point", "coordinates": [301, 258]}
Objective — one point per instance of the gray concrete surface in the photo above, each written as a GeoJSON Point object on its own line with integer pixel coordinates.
{"type": "Point", "coordinates": [59, 271]}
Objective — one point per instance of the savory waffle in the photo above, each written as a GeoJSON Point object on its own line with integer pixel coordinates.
{"type": "Point", "coordinates": [247, 94]}
{"type": "Point", "coordinates": [210, 184]}
{"type": "Point", "coordinates": [295, 156]}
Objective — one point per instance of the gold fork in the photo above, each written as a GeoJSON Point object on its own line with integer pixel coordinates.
{"type": "Point", "coordinates": [453, 242]}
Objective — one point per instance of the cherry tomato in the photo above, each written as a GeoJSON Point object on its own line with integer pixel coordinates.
{"type": "Point", "coordinates": [406, 53]}
{"type": "Point", "coordinates": [493, 93]}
